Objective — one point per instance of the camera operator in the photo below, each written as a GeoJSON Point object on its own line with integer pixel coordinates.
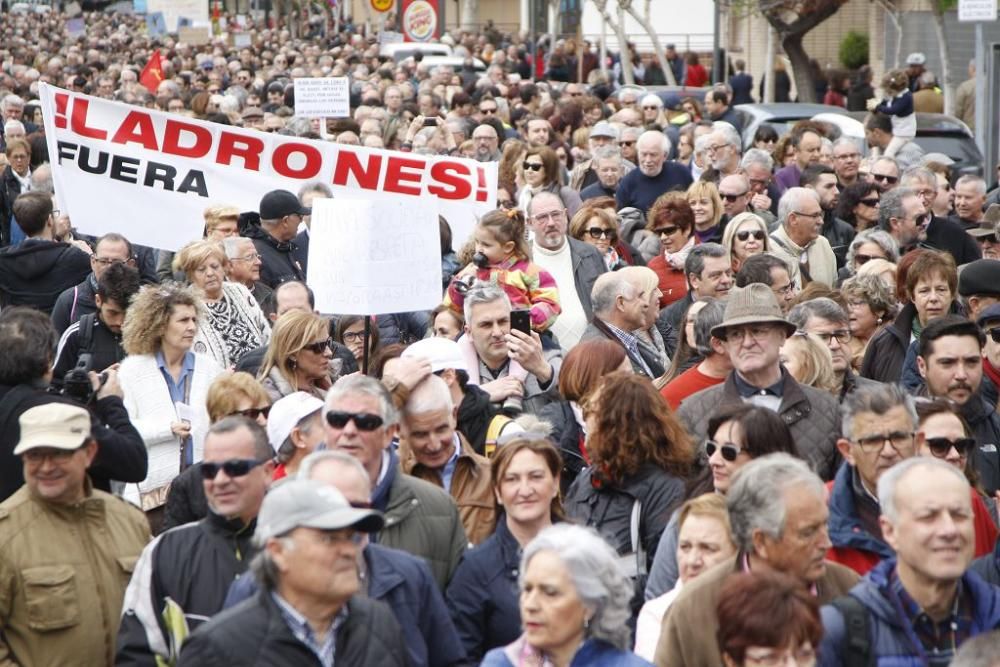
{"type": "Point", "coordinates": [26, 342]}
{"type": "Point", "coordinates": [98, 334]}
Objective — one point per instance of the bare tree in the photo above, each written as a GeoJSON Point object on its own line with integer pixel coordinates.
{"type": "Point", "coordinates": [619, 28]}
{"type": "Point", "coordinates": [894, 14]}
{"type": "Point", "coordinates": [646, 23]}
{"type": "Point", "coordinates": [470, 14]}
{"type": "Point", "coordinates": [938, 9]}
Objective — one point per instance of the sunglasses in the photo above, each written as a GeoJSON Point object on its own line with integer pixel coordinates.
{"type": "Point", "coordinates": [731, 197]}
{"type": "Point", "coordinates": [362, 420]}
{"type": "Point", "coordinates": [747, 233]}
{"type": "Point", "coordinates": [318, 348]}
{"type": "Point", "coordinates": [626, 143]}
{"type": "Point", "coordinates": [940, 446]}
{"type": "Point", "coordinates": [729, 450]}
{"type": "Point", "coordinates": [994, 334]}
{"type": "Point", "coordinates": [871, 202]}
{"type": "Point", "coordinates": [488, 111]}
{"type": "Point", "coordinates": [532, 166]}
{"type": "Point", "coordinates": [885, 178]}
{"type": "Point", "coordinates": [652, 107]}
{"type": "Point", "coordinates": [254, 413]}
{"type": "Point", "coordinates": [862, 259]}
{"type": "Point", "coordinates": [233, 467]}
{"type": "Point", "coordinates": [601, 233]}
{"type": "Point", "coordinates": [666, 231]}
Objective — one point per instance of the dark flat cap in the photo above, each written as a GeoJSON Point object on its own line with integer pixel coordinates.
{"type": "Point", "coordinates": [980, 277]}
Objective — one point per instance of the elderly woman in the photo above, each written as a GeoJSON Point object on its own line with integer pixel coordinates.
{"type": "Point", "coordinates": [687, 354]}
{"type": "Point", "coordinates": [299, 357]}
{"type": "Point", "coordinates": [871, 304]}
{"type": "Point", "coordinates": [808, 360]}
{"type": "Point", "coordinates": [235, 323]}
{"type": "Point", "coordinates": [672, 222]}
{"type": "Point", "coordinates": [15, 179]}
{"type": "Point", "coordinates": [858, 205]}
{"type": "Point", "coordinates": [737, 434]}
{"type": "Point", "coordinates": [653, 117]}
{"type": "Point", "coordinates": [869, 245]}
{"type": "Point", "coordinates": [230, 394]}
{"type": "Point", "coordinates": [767, 618]}
{"type": "Point", "coordinates": [706, 204]}
{"type": "Point", "coordinates": [599, 228]}
{"type": "Point", "coordinates": [541, 173]}
{"type": "Point", "coordinates": [640, 457]}
{"type": "Point", "coordinates": [574, 604]}
{"type": "Point", "coordinates": [482, 594]}
{"type": "Point", "coordinates": [930, 283]}
{"type": "Point", "coordinates": [703, 541]}
{"type": "Point", "coordinates": [165, 385]}
{"type": "Point", "coordinates": [746, 234]}
{"type": "Point", "coordinates": [221, 222]}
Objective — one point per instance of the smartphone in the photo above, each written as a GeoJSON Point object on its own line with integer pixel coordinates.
{"type": "Point", "coordinates": [521, 320]}
{"type": "Point", "coordinates": [431, 122]}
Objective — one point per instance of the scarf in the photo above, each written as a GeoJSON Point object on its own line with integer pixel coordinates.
{"type": "Point", "coordinates": [522, 654]}
{"type": "Point", "coordinates": [25, 181]}
{"type": "Point", "coordinates": [676, 259]}
{"type": "Point", "coordinates": [611, 259]}
{"type": "Point", "coordinates": [991, 372]}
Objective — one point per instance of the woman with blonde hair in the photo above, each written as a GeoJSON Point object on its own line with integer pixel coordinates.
{"type": "Point", "coordinates": [745, 235]}
{"type": "Point", "coordinates": [809, 361]}
{"type": "Point", "coordinates": [299, 357]}
{"type": "Point", "coordinates": [222, 221]}
{"type": "Point", "coordinates": [706, 204]}
{"type": "Point", "coordinates": [234, 323]}
{"type": "Point", "coordinates": [599, 228]}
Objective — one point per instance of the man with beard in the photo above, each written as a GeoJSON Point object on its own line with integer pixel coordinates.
{"type": "Point", "coordinates": [901, 214]}
{"type": "Point", "coordinates": [942, 233]}
{"type": "Point", "coordinates": [823, 181]}
{"type": "Point", "coordinates": [655, 175]}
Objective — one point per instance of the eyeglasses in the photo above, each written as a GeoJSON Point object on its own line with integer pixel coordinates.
{"type": "Point", "coordinates": [666, 231]}
{"type": "Point", "coordinates": [601, 233]}
{"type": "Point", "coordinates": [860, 258]}
{"type": "Point", "coordinates": [843, 336]}
{"type": "Point", "coordinates": [871, 202]}
{"type": "Point", "coordinates": [108, 261]}
{"type": "Point", "coordinates": [254, 413]}
{"type": "Point", "coordinates": [488, 111]}
{"type": "Point", "coordinates": [730, 451]}
{"type": "Point", "coordinates": [758, 234]}
{"type": "Point", "coordinates": [941, 446]}
{"type": "Point", "coordinates": [545, 217]}
{"type": "Point", "coordinates": [804, 656]}
{"type": "Point", "coordinates": [874, 442]}
{"type": "Point", "coordinates": [817, 214]}
{"type": "Point", "coordinates": [760, 182]}
{"type": "Point", "coordinates": [737, 334]}
{"type": "Point", "coordinates": [249, 258]}
{"type": "Point", "coordinates": [885, 178]}
{"type": "Point", "coordinates": [507, 203]}
{"type": "Point", "coordinates": [532, 166]}
{"type": "Point", "coordinates": [318, 347]}
{"type": "Point", "coordinates": [626, 143]}
{"type": "Point", "coordinates": [39, 454]}
{"type": "Point", "coordinates": [729, 197]}
{"type": "Point", "coordinates": [716, 148]}
{"type": "Point", "coordinates": [652, 107]}
{"type": "Point", "coordinates": [362, 420]}
{"type": "Point", "coordinates": [232, 467]}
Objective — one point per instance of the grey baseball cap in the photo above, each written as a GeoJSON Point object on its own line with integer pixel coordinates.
{"type": "Point", "coordinates": [306, 503]}
{"type": "Point", "coordinates": [604, 129]}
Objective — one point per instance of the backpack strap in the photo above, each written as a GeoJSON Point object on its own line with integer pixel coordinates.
{"type": "Point", "coordinates": [856, 647]}
{"type": "Point", "coordinates": [86, 337]}
{"type": "Point", "coordinates": [72, 310]}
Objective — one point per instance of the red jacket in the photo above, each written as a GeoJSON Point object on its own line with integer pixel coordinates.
{"type": "Point", "coordinates": [673, 283]}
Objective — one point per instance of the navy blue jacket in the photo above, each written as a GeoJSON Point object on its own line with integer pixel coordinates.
{"type": "Point", "coordinates": [843, 523]}
{"type": "Point", "coordinates": [893, 642]}
{"type": "Point", "coordinates": [593, 653]}
{"type": "Point", "coordinates": [483, 594]}
{"type": "Point", "coordinates": [405, 584]}
{"type": "Point", "coordinates": [988, 566]}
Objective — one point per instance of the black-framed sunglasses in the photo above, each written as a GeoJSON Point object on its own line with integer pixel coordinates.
{"type": "Point", "coordinates": [488, 111]}
{"type": "Point", "coordinates": [758, 234]}
{"type": "Point", "coordinates": [319, 347]}
{"type": "Point", "coordinates": [870, 202]}
{"type": "Point", "coordinates": [232, 467]}
{"type": "Point", "coordinates": [860, 258]}
{"type": "Point", "coordinates": [940, 446]}
{"type": "Point", "coordinates": [666, 231]}
{"type": "Point", "coordinates": [729, 450]}
{"type": "Point", "coordinates": [532, 166]}
{"type": "Point", "coordinates": [885, 178]}
{"type": "Point", "coordinates": [364, 421]}
{"type": "Point", "coordinates": [601, 233]}
{"type": "Point", "coordinates": [729, 197]}
{"type": "Point", "coordinates": [253, 413]}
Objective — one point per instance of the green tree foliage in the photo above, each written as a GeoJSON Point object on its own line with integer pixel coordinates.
{"type": "Point", "coordinates": [854, 50]}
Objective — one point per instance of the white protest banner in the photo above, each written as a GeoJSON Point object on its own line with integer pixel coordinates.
{"type": "Point", "coordinates": [372, 257]}
{"type": "Point", "coordinates": [150, 175]}
{"type": "Point", "coordinates": [322, 97]}
{"type": "Point", "coordinates": [194, 10]}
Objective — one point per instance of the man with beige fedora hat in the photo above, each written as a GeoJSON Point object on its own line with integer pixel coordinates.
{"type": "Point", "coordinates": [753, 331]}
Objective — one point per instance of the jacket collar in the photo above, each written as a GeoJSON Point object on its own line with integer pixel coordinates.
{"type": "Point", "coordinates": [845, 527]}
{"type": "Point", "coordinates": [382, 577]}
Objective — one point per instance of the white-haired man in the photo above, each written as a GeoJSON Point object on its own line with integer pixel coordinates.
{"type": "Point", "coordinates": [798, 241]}
{"type": "Point", "coordinates": [655, 175]}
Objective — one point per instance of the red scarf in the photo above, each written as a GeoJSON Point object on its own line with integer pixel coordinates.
{"type": "Point", "coordinates": [991, 373]}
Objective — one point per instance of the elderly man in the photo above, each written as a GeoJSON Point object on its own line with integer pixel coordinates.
{"type": "Point", "coordinates": [725, 148]}
{"type": "Point", "coordinates": [708, 271]}
{"type": "Point", "coordinates": [310, 609]}
{"type": "Point", "coordinates": [919, 607]}
{"type": "Point", "coordinates": [433, 450]}
{"type": "Point", "coordinates": [244, 267]}
{"type": "Point", "coordinates": [767, 269]}
{"type": "Point", "coordinates": [610, 168]}
{"type": "Point", "coordinates": [495, 343]}
{"type": "Point", "coordinates": [754, 331]}
{"type": "Point", "coordinates": [798, 241]}
{"type": "Point", "coordinates": [486, 143]}
{"type": "Point", "coordinates": [584, 172]}
{"type": "Point", "coordinates": [573, 264]}
{"type": "Point", "coordinates": [655, 175]}
{"type": "Point", "coordinates": [846, 160]}
{"type": "Point", "coordinates": [295, 430]}
{"type": "Point", "coordinates": [825, 319]}
{"type": "Point", "coordinates": [902, 215]}
{"type": "Point", "coordinates": [65, 547]}
{"type": "Point", "coordinates": [421, 518]}
{"type": "Point", "coordinates": [970, 194]}
{"type": "Point", "coordinates": [878, 134]}
{"type": "Point", "coordinates": [942, 233]}
{"type": "Point", "coordinates": [807, 145]}
{"type": "Point", "coordinates": [280, 215]}
{"type": "Point", "coordinates": [77, 301]}
{"type": "Point", "coordinates": [620, 308]}
{"type": "Point", "coordinates": [778, 513]}
{"type": "Point", "coordinates": [185, 572]}
{"type": "Point", "coordinates": [950, 361]}
{"type": "Point", "coordinates": [823, 181]}
{"type": "Point", "coordinates": [756, 165]}
{"type": "Point", "coordinates": [884, 173]}
{"type": "Point", "coordinates": [735, 193]}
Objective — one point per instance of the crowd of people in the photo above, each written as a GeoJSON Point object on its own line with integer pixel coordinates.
{"type": "Point", "coordinates": [690, 398]}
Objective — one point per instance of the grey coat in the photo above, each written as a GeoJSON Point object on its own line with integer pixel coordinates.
{"type": "Point", "coordinates": [587, 265]}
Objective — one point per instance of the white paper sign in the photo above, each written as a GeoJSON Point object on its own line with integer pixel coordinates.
{"type": "Point", "coordinates": [241, 40]}
{"type": "Point", "coordinates": [977, 10]}
{"type": "Point", "coordinates": [322, 97]}
{"type": "Point", "coordinates": [371, 257]}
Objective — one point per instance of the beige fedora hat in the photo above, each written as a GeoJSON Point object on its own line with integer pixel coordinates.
{"type": "Point", "coordinates": [753, 304]}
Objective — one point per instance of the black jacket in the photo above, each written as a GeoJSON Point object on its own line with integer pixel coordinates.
{"type": "Point", "coordinates": [887, 349]}
{"type": "Point", "coordinates": [742, 85]}
{"type": "Point", "coordinates": [947, 235]}
{"type": "Point", "coordinates": [567, 434]}
{"type": "Point", "coordinates": [193, 565]}
{"type": "Point", "coordinates": [10, 188]}
{"type": "Point", "coordinates": [839, 234]}
{"type": "Point", "coordinates": [985, 425]}
{"type": "Point", "coordinates": [278, 261]}
{"type": "Point", "coordinates": [34, 272]}
{"type": "Point", "coordinates": [254, 634]}
{"type": "Point", "coordinates": [121, 454]}
{"type": "Point", "coordinates": [475, 413]}
{"type": "Point", "coordinates": [73, 303]}
{"type": "Point", "coordinates": [105, 347]}
{"type": "Point", "coordinates": [186, 501]}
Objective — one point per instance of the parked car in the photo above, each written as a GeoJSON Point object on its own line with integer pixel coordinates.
{"type": "Point", "coordinates": [780, 116]}
{"type": "Point", "coordinates": [455, 62]}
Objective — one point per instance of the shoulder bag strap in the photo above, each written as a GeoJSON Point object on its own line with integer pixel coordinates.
{"type": "Point", "coordinates": [640, 553]}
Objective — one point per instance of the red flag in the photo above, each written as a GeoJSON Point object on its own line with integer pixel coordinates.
{"type": "Point", "coordinates": [152, 74]}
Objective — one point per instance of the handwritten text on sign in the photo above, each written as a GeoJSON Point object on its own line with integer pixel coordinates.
{"type": "Point", "coordinates": [322, 97]}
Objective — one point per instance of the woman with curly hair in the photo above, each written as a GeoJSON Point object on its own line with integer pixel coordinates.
{"type": "Point", "coordinates": [871, 305]}
{"type": "Point", "coordinates": [640, 457]}
{"type": "Point", "coordinates": [165, 385]}
{"type": "Point", "coordinates": [858, 205]}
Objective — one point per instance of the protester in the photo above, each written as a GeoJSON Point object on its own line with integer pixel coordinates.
{"type": "Point", "coordinates": [292, 363]}
{"type": "Point", "coordinates": [672, 223]}
{"type": "Point", "coordinates": [280, 215]}
{"type": "Point", "coordinates": [77, 301]}
{"type": "Point", "coordinates": [621, 308]}
{"type": "Point", "coordinates": [870, 306]}
{"type": "Point", "coordinates": [745, 235]}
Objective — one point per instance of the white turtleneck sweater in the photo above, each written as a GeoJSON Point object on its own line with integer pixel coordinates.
{"type": "Point", "coordinates": [572, 321]}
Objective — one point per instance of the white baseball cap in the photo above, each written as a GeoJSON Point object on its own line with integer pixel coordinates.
{"type": "Point", "coordinates": [286, 413]}
{"type": "Point", "coordinates": [443, 353]}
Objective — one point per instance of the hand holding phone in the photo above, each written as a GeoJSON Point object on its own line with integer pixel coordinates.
{"type": "Point", "coordinates": [521, 321]}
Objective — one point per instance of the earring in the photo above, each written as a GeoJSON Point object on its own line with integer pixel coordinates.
{"type": "Point", "coordinates": [878, 322]}
{"type": "Point", "coordinates": [586, 623]}
{"type": "Point", "coordinates": [292, 362]}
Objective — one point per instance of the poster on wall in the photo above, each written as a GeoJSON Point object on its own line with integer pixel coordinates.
{"type": "Point", "coordinates": [421, 20]}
